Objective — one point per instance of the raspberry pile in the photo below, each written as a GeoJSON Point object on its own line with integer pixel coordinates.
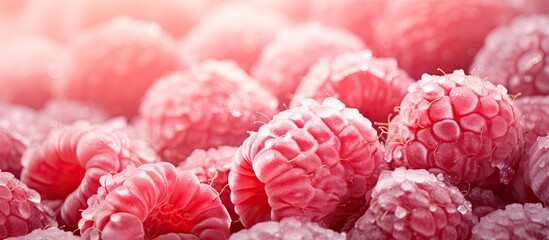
{"type": "Point", "coordinates": [274, 119]}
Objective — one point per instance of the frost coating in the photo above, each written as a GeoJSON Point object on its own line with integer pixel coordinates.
{"type": "Point", "coordinates": [288, 228]}
{"type": "Point", "coordinates": [516, 221]}
{"type": "Point", "coordinates": [515, 56]}
{"type": "Point", "coordinates": [536, 169]}
{"type": "Point", "coordinates": [414, 204]}
{"type": "Point", "coordinates": [213, 104]}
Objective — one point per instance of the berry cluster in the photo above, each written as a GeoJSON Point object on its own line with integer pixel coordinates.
{"type": "Point", "coordinates": [274, 119]}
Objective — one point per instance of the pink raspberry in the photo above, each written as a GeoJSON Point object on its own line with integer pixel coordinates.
{"type": "Point", "coordinates": [213, 104]}
{"type": "Point", "coordinates": [243, 38]}
{"type": "Point", "coordinates": [484, 201]}
{"type": "Point", "coordinates": [357, 16]}
{"type": "Point", "coordinates": [51, 233]}
{"type": "Point", "coordinates": [113, 64]}
{"type": "Point", "coordinates": [414, 204]}
{"type": "Point", "coordinates": [518, 191]}
{"type": "Point", "coordinates": [212, 167]}
{"type": "Point", "coordinates": [21, 210]}
{"type": "Point", "coordinates": [536, 167]}
{"type": "Point", "coordinates": [68, 165]}
{"type": "Point", "coordinates": [431, 34]}
{"type": "Point", "coordinates": [11, 151]}
{"type": "Point", "coordinates": [25, 66]}
{"type": "Point", "coordinates": [311, 161]}
{"type": "Point", "coordinates": [460, 125]}
{"type": "Point", "coordinates": [515, 56]}
{"type": "Point", "coordinates": [288, 228]}
{"type": "Point", "coordinates": [535, 110]}
{"type": "Point", "coordinates": [154, 200]}
{"type": "Point", "coordinates": [23, 124]}
{"type": "Point", "coordinates": [286, 60]}
{"type": "Point", "coordinates": [517, 221]}
{"type": "Point", "coordinates": [375, 86]}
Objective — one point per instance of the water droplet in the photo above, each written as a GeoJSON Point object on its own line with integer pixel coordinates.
{"type": "Point", "coordinates": [397, 154]}
{"type": "Point", "coordinates": [399, 225]}
{"type": "Point", "coordinates": [400, 212]}
{"type": "Point", "coordinates": [432, 207]}
{"type": "Point", "coordinates": [406, 186]}
{"type": "Point", "coordinates": [440, 177]}
{"type": "Point", "coordinates": [462, 209]}
{"type": "Point", "coordinates": [33, 196]}
{"type": "Point", "coordinates": [236, 113]}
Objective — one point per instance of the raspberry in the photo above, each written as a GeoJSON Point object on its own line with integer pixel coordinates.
{"type": "Point", "coordinates": [311, 161]}
{"type": "Point", "coordinates": [288, 228]}
{"type": "Point", "coordinates": [414, 204]}
{"type": "Point", "coordinates": [528, 221]}
{"type": "Point", "coordinates": [21, 211]}
{"type": "Point", "coordinates": [113, 64]}
{"type": "Point", "coordinates": [68, 165]}
{"type": "Point", "coordinates": [151, 201]}
{"type": "Point", "coordinates": [514, 56]}
{"type": "Point", "coordinates": [373, 85]}
{"type": "Point", "coordinates": [51, 233]}
{"type": "Point", "coordinates": [535, 110]}
{"type": "Point", "coordinates": [518, 191]}
{"type": "Point", "coordinates": [212, 167]}
{"type": "Point", "coordinates": [213, 104]}
{"type": "Point", "coordinates": [243, 39]}
{"type": "Point", "coordinates": [286, 60]}
{"type": "Point", "coordinates": [484, 201]}
{"type": "Point", "coordinates": [11, 151]}
{"type": "Point", "coordinates": [24, 69]}
{"type": "Point", "coordinates": [357, 16]}
{"type": "Point", "coordinates": [460, 125]}
{"type": "Point", "coordinates": [536, 168]}
{"type": "Point", "coordinates": [23, 124]}
{"type": "Point", "coordinates": [427, 35]}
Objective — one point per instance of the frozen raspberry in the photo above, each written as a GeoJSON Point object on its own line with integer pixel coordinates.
{"type": "Point", "coordinates": [244, 28]}
{"type": "Point", "coordinates": [460, 125]}
{"type": "Point", "coordinates": [288, 228]}
{"type": "Point", "coordinates": [212, 167]}
{"type": "Point", "coordinates": [174, 16]}
{"type": "Point", "coordinates": [152, 201]}
{"type": "Point", "coordinates": [11, 151]}
{"type": "Point", "coordinates": [528, 221]}
{"type": "Point", "coordinates": [518, 191]}
{"type": "Point", "coordinates": [414, 204]}
{"type": "Point", "coordinates": [21, 210]}
{"type": "Point", "coordinates": [113, 64]}
{"type": "Point", "coordinates": [287, 59]}
{"type": "Point", "coordinates": [374, 86]}
{"type": "Point", "coordinates": [535, 110]}
{"type": "Point", "coordinates": [68, 165]}
{"type": "Point", "coordinates": [51, 233]}
{"type": "Point", "coordinates": [515, 56]}
{"type": "Point", "coordinates": [213, 104]}
{"type": "Point", "coordinates": [23, 124]}
{"type": "Point", "coordinates": [310, 161]}
{"type": "Point", "coordinates": [25, 66]}
{"type": "Point", "coordinates": [431, 34]}
{"type": "Point", "coordinates": [484, 201]}
{"type": "Point", "coordinates": [357, 16]}
{"type": "Point", "coordinates": [536, 169]}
